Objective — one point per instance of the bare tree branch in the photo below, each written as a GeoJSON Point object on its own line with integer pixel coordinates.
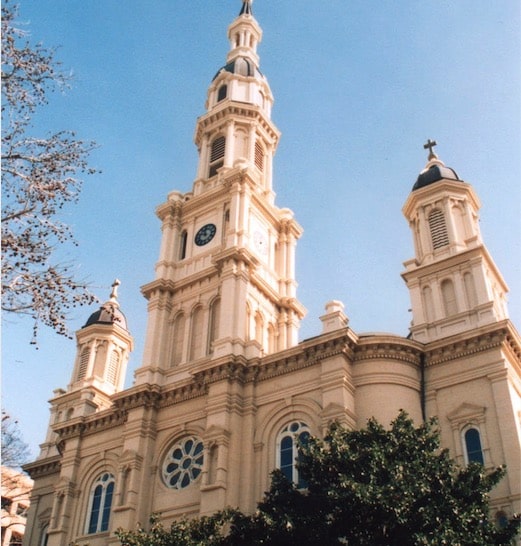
{"type": "Point", "coordinates": [40, 176]}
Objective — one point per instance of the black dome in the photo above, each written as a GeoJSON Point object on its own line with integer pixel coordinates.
{"type": "Point", "coordinates": [242, 66]}
{"type": "Point", "coordinates": [433, 174]}
{"type": "Point", "coordinates": [108, 313]}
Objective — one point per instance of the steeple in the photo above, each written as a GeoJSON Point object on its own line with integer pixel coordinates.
{"type": "Point", "coordinates": [104, 346]}
{"type": "Point", "coordinates": [237, 127]}
{"type": "Point", "coordinates": [225, 281]}
{"type": "Point", "coordinates": [453, 281]}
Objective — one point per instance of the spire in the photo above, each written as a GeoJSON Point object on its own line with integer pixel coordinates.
{"type": "Point", "coordinates": [246, 8]}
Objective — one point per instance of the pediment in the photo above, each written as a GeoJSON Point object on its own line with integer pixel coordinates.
{"type": "Point", "coordinates": [466, 411]}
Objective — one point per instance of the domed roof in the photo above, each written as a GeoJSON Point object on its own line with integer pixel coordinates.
{"type": "Point", "coordinates": [109, 312]}
{"type": "Point", "coordinates": [242, 66]}
{"type": "Point", "coordinates": [435, 169]}
{"type": "Point", "coordinates": [433, 173]}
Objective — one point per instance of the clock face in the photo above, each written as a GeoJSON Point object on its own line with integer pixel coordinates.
{"type": "Point", "coordinates": [205, 234]}
{"type": "Point", "coordinates": [260, 242]}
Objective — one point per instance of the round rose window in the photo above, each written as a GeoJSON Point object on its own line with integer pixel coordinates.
{"type": "Point", "coordinates": [183, 463]}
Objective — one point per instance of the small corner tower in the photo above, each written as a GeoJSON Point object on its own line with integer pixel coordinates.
{"type": "Point", "coordinates": [225, 281]}
{"type": "Point", "coordinates": [454, 284]}
{"type": "Point", "coordinates": [104, 345]}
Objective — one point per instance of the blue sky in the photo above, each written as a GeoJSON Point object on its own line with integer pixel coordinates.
{"type": "Point", "coordinates": [359, 86]}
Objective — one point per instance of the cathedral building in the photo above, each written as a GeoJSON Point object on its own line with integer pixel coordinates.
{"type": "Point", "coordinates": [225, 387]}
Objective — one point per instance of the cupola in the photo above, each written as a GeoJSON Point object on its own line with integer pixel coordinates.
{"type": "Point", "coordinates": [435, 169]}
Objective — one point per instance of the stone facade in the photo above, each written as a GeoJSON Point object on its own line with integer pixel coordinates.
{"type": "Point", "coordinates": [225, 385]}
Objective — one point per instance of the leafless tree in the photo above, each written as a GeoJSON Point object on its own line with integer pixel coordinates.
{"type": "Point", "coordinates": [15, 451]}
{"type": "Point", "coordinates": [41, 175]}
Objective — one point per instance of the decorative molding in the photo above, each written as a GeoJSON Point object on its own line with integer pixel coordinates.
{"type": "Point", "coordinates": [462, 348]}
{"type": "Point", "coordinates": [45, 467]}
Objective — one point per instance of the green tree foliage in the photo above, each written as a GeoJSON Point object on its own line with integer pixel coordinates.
{"type": "Point", "coordinates": [371, 487]}
{"type": "Point", "coordinates": [40, 175]}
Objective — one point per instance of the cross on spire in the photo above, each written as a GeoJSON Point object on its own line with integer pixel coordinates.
{"type": "Point", "coordinates": [430, 145]}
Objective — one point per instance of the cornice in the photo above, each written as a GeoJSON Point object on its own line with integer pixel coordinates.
{"type": "Point", "coordinates": [91, 424]}
{"type": "Point", "coordinates": [159, 285]}
{"type": "Point", "coordinates": [498, 335]}
{"type": "Point", "coordinates": [227, 113]}
{"type": "Point", "coordinates": [188, 391]}
{"type": "Point", "coordinates": [388, 347]}
{"type": "Point", "coordinates": [43, 467]}
{"type": "Point", "coordinates": [146, 395]}
{"type": "Point", "coordinates": [313, 352]}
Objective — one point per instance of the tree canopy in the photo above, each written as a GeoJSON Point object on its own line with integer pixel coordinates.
{"type": "Point", "coordinates": [374, 487]}
{"type": "Point", "coordinates": [40, 175]}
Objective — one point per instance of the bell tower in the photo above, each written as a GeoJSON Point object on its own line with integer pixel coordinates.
{"type": "Point", "coordinates": [454, 284]}
{"type": "Point", "coordinates": [225, 280]}
{"type": "Point", "coordinates": [104, 345]}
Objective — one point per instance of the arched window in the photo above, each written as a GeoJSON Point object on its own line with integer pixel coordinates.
{"type": "Point", "coordinates": [448, 295]}
{"type": "Point", "coordinates": [470, 290]}
{"type": "Point", "coordinates": [182, 246]}
{"type": "Point", "coordinates": [213, 327]}
{"type": "Point", "coordinates": [272, 339]}
{"type": "Point", "coordinates": [112, 371]}
{"type": "Point", "coordinates": [249, 327]}
{"type": "Point", "coordinates": [287, 450]}
{"type": "Point", "coordinates": [473, 449]}
{"type": "Point", "coordinates": [44, 535]}
{"type": "Point", "coordinates": [196, 334]}
{"type": "Point", "coordinates": [428, 305]}
{"type": "Point", "coordinates": [100, 503]}
{"type": "Point", "coordinates": [221, 94]}
{"type": "Point", "coordinates": [438, 229]}
{"type": "Point", "coordinates": [501, 519]}
{"type": "Point", "coordinates": [178, 339]}
{"type": "Point", "coordinates": [259, 328]}
{"type": "Point", "coordinates": [259, 156]}
{"type": "Point", "coordinates": [84, 363]}
{"type": "Point", "coordinates": [217, 155]}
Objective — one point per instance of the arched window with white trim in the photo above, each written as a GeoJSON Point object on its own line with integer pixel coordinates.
{"type": "Point", "coordinates": [287, 450]}
{"type": "Point", "coordinates": [100, 504]}
{"type": "Point", "coordinates": [470, 290]}
{"type": "Point", "coordinates": [448, 295]}
{"type": "Point", "coordinates": [473, 446]}
{"type": "Point", "coordinates": [213, 327]}
{"type": "Point", "coordinates": [222, 93]}
{"type": "Point", "coordinates": [178, 338]}
{"type": "Point", "coordinates": [84, 363]}
{"type": "Point", "coordinates": [113, 367]}
{"type": "Point", "coordinates": [428, 304]}
{"type": "Point", "coordinates": [196, 333]}
{"type": "Point", "coordinates": [183, 244]}
{"type": "Point", "coordinates": [216, 155]}
{"type": "Point", "coordinates": [438, 229]}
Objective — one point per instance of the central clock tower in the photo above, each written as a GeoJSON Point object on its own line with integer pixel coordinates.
{"type": "Point", "coordinates": [225, 279]}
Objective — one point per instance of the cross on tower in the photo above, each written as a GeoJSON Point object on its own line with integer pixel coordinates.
{"type": "Point", "coordinates": [430, 145]}
{"type": "Point", "coordinates": [114, 293]}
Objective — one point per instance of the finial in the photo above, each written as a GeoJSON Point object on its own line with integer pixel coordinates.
{"type": "Point", "coordinates": [114, 293]}
{"type": "Point", "coordinates": [246, 7]}
{"type": "Point", "coordinates": [430, 145]}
